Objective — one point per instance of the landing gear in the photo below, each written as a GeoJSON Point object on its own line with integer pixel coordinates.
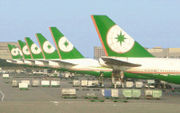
{"type": "Point", "coordinates": [101, 79]}
{"type": "Point", "coordinates": [118, 78]}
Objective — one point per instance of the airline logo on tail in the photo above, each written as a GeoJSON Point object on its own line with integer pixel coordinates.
{"type": "Point", "coordinates": [115, 41]}
{"type": "Point", "coordinates": [25, 50]}
{"type": "Point", "coordinates": [48, 48]}
{"type": "Point", "coordinates": [15, 52]}
{"type": "Point", "coordinates": [65, 45]}
{"type": "Point", "coordinates": [118, 40]}
{"type": "Point", "coordinates": [35, 49]}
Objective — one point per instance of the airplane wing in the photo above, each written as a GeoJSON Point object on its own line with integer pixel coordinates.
{"type": "Point", "coordinates": [64, 63]}
{"type": "Point", "coordinates": [113, 62]}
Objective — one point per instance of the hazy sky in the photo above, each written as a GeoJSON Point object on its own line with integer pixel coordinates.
{"type": "Point", "coordinates": [150, 22]}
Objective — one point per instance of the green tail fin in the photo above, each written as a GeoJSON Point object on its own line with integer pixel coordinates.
{"type": "Point", "coordinates": [47, 48]}
{"type": "Point", "coordinates": [34, 49]}
{"type": "Point", "coordinates": [115, 41]}
{"type": "Point", "coordinates": [24, 49]}
{"type": "Point", "coordinates": [65, 47]}
{"type": "Point", "coordinates": [15, 52]}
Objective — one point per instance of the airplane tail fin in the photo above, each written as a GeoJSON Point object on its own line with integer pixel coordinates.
{"type": "Point", "coordinates": [65, 48]}
{"type": "Point", "coordinates": [47, 48]}
{"type": "Point", "coordinates": [115, 41]}
{"type": "Point", "coordinates": [34, 49]}
{"type": "Point", "coordinates": [15, 52]}
{"type": "Point", "coordinates": [24, 49]}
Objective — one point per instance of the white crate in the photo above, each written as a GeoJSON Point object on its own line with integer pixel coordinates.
{"type": "Point", "coordinates": [139, 84]}
{"type": "Point", "coordinates": [35, 82]}
{"type": "Point", "coordinates": [5, 75]}
{"type": "Point", "coordinates": [84, 82]}
{"type": "Point", "coordinates": [129, 84]}
{"type": "Point", "coordinates": [114, 93]}
{"type": "Point", "coordinates": [45, 83]}
{"type": "Point", "coordinates": [23, 86]}
{"type": "Point", "coordinates": [76, 83]}
{"type": "Point", "coordinates": [68, 91]}
{"type": "Point", "coordinates": [55, 83]}
{"type": "Point", "coordinates": [26, 81]}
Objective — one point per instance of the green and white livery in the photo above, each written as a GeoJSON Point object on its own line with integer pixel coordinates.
{"type": "Point", "coordinates": [24, 49]}
{"type": "Point", "coordinates": [115, 41]}
{"type": "Point", "coordinates": [34, 49]}
{"type": "Point", "coordinates": [15, 52]}
{"type": "Point", "coordinates": [47, 48]}
{"type": "Point", "coordinates": [65, 47]}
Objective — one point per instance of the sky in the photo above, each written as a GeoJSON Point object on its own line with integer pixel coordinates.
{"type": "Point", "coordinates": [152, 23]}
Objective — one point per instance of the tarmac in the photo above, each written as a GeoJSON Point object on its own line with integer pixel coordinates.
{"type": "Point", "coordinates": [48, 100]}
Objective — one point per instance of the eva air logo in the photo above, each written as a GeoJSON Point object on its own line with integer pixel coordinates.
{"type": "Point", "coordinates": [65, 45]}
{"type": "Point", "coordinates": [118, 40]}
{"type": "Point", "coordinates": [25, 50]}
{"type": "Point", "coordinates": [48, 48]}
{"type": "Point", "coordinates": [35, 49]}
{"type": "Point", "coordinates": [16, 52]}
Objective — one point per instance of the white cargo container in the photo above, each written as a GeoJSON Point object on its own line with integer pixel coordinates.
{"type": "Point", "coordinates": [14, 83]}
{"type": "Point", "coordinates": [55, 83]}
{"type": "Point", "coordinates": [114, 93]}
{"type": "Point", "coordinates": [35, 83]}
{"type": "Point", "coordinates": [139, 84]}
{"type": "Point", "coordinates": [5, 75]}
{"type": "Point", "coordinates": [148, 93]}
{"type": "Point", "coordinates": [129, 84]}
{"type": "Point", "coordinates": [68, 91]}
{"type": "Point", "coordinates": [84, 83]}
{"type": "Point", "coordinates": [150, 81]}
{"type": "Point", "coordinates": [76, 83]}
{"type": "Point", "coordinates": [45, 83]}
{"type": "Point", "coordinates": [26, 81]}
{"type": "Point", "coordinates": [23, 86]}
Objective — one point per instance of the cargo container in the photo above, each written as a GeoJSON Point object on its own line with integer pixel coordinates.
{"type": "Point", "coordinates": [76, 83]}
{"type": "Point", "coordinates": [148, 93]}
{"type": "Point", "coordinates": [84, 83]}
{"type": "Point", "coordinates": [92, 83]}
{"type": "Point", "coordinates": [91, 96]}
{"type": "Point", "coordinates": [35, 83]}
{"type": "Point", "coordinates": [129, 84]}
{"type": "Point", "coordinates": [68, 92]}
{"type": "Point", "coordinates": [157, 94]}
{"type": "Point", "coordinates": [6, 76]}
{"type": "Point", "coordinates": [23, 86]}
{"type": "Point", "coordinates": [127, 93]}
{"type": "Point", "coordinates": [115, 93]}
{"type": "Point", "coordinates": [136, 93]}
{"type": "Point", "coordinates": [15, 83]}
{"type": "Point", "coordinates": [45, 83]}
{"type": "Point", "coordinates": [26, 81]}
{"type": "Point", "coordinates": [55, 83]}
{"type": "Point", "coordinates": [150, 81]}
{"type": "Point", "coordinates": [139, 84]}
{"type": "Point", "coordinates": [106, 93]}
